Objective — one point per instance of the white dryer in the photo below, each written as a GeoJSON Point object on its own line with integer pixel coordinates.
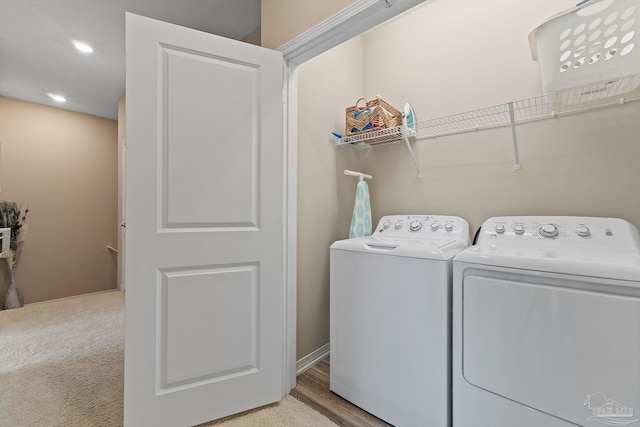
{"type": "Point", "coordinates": [391, 318]}
{"type": "Point", "coordinates": [546, 324]}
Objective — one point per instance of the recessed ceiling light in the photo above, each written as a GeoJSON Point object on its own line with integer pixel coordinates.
{"type": "Point", "coordinates": [57, 98]}
{"type": "Point", "coordinates": [83, 47]}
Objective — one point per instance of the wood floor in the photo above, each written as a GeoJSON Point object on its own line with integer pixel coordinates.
{"type": "Point", "coordinates": [313, 389]}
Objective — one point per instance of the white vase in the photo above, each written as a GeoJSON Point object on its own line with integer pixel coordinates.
{"type": "Point", "coordinates": [13, 298]}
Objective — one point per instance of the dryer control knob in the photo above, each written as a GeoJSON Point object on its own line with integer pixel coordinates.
{"type": "Point", "coordinates": [415, 225]}
{"type": "Point", "coordinates": [549, 230]}
{"type": "Point", "coordinates": [519, 229]}
{"type": "Point", "coordinates": [499, 228]}
{"type": "Point", "coordinates": [583, 231]}
{"type": "Point", "coordinates": [448, 226]}
{"type": "Point", "coordinates": [386, 224]}
{"type": "Point", "coordinates": [435, 226]}
{"type": "Point", "coordinates": [398, 225]}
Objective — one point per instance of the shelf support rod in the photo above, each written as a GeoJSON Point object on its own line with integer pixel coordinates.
{"type": "Point", "coordinates": [512, 118]}
{"type": "Point", "coordinates": [405, 136]}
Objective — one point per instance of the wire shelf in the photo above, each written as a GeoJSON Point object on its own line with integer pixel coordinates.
{"type": "Point", "coordinates": [569, 101]}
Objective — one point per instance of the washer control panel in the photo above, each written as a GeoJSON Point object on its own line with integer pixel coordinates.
{"type": "Point", "coordinates": [558, 231]}
{"type": "Point", "coordinates": [423, 227]}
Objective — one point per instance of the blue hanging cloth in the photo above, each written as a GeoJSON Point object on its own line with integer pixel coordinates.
{"type": "Point", "coordinates": [361, 219]}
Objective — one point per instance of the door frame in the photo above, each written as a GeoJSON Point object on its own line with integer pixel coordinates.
{"type": "Point", "coordinates": [355, 19]}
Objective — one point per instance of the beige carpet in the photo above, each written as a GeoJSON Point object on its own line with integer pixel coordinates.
{"type": "Point", "coordinates": [61, 364]}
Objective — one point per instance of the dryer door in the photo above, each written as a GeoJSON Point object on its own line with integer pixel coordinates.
{"type": "Point", "coordinates": [554, 347]}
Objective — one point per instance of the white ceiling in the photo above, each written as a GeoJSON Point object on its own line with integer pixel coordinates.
{"type": "Point", "coordinates": [37, 55]}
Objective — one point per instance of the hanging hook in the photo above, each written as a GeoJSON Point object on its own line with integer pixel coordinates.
{"type": "Point", "coordinates": [361, 176]}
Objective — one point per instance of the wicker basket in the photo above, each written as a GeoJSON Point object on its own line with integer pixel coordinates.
{"type": "Point", "coordinates": [368, 116]}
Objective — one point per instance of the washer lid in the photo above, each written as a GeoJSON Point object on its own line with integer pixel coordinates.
{"type": "Point", "coordinates": [597, 247]}
{"type": "Point", "coordinates": [436, 249]}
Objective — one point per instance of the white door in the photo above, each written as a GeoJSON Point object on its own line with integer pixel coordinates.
{"type": "Point", "coordinates": [205, 301]}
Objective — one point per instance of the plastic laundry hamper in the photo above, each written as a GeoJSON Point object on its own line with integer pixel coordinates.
{"type": "Point", "coordinates": [594, 41]}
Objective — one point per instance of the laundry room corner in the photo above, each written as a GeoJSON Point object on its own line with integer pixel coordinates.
{"type": "Point", "coordinates": [325, 194]}
{"type": "Point", "coordinates": [450, 58]}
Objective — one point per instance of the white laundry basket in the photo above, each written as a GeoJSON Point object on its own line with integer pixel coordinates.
{"type": "Point", "coordinates": [594, 41]}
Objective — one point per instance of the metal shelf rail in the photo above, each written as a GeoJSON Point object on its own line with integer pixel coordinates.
{"type": "Point", "coordinates": [570, 101]}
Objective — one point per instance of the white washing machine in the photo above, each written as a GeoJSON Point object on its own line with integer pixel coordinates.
{"type": "Point", "coordinates": [546, 324]}
{"type": "Point", "coordinates": [391, 318]}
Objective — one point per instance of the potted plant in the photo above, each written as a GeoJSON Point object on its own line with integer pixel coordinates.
{"type": "Point", "coordinates": [12, 217]}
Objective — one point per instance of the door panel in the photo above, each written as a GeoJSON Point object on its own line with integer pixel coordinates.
{"type": "Point", "coordinates": [205, 234]}
{"type": "Point", "coordinates": [190, 307]}
{"type": "Point", "coordinates": [216, 110]}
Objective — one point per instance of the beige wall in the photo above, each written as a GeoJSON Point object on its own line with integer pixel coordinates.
{"type": "Point", "coordinates": [449, 57]}
{"type": "Point", "coordinates": [64, 166]}
{"type": "Point", "coordinates": [283, 20]}
{"type": "Point", "coordinates": [582, 165]}
{"type": "Point", "coordinates": [325, 194]}
{"type": "Point", "coordinates": [253, 37]}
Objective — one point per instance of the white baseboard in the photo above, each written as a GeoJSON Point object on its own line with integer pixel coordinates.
{"type": "Point", "coordinates": [311, 359]}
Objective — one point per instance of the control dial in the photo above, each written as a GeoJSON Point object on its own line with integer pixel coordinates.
{"type": "Point", "coordinates": [499, 228]}
{"type": "Point", "coordinates": [435, 226]}
{"type": "Point", "coordinates": [448, 226]}
{"type": "Point", "coordinates": [549, 230]}
{"type": "Point", "coordinates": [519, 229]}
{"type": "Point", "coordinates": [415, 225]}
{"type": "Point", "coordinates": [386, 224]}
{"type": "Point", "coordinates": [398, 225]}
{"type": "Point", "coordinates": [583, 231]}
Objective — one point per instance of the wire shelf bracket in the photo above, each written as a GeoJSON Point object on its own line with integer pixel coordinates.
{"type": "Point", "coordinates": [602, 94]}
